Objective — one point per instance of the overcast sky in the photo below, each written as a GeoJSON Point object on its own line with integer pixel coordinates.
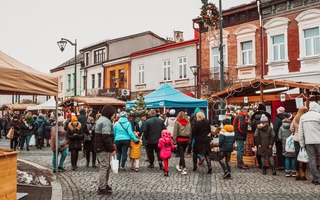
{"type": "Point", "coordinates": [30, 29]}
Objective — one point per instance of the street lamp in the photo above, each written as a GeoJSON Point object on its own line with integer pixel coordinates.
{"type": "Point", "coordinates": [62, 44]}
{"type": "Point", "coordinates": [194, 70]}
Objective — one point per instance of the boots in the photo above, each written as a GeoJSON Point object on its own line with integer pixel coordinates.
{"type": "Point", "coordinates": [87, 158]}
{"type": "Point", "coordinates": [194, 160]}
{"type": "Point", "coordinates": [303, 176]}
{"type": "Point", "coordinates": [94, 157]}
{"type": "Point", "coordinates": [209, 164]}
{"type": "Point", "coordinates": [264, 170]}
{"type": "Point", "coordinates": [273, 170]}
{"type": "Point", "coordinates": [298, 176]}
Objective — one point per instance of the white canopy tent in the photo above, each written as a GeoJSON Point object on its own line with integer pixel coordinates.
{"type": "Point", "coordinates": [48, 105]}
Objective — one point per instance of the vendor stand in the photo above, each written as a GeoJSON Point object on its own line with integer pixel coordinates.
{"type": "Point", "coordinates": [272, 93]}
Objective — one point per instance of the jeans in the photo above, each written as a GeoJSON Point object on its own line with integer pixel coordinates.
{"type": "Point", "coordinates": [28, 139]}
{"type": "Point", "coordinates": [226, 166]}
{"type": "Point", "coordinates": [22, 141]}
{"type": "Point", "coordinates": [104, 171]}
{"type": "Point", "coordinates": [240, 149]}
{"type": "Point", "coordinates": [122, 149]}
{"type": "Point", "coordinates": [312, 149]}
{"type": "Point", "coordinates": [182, 146]}
{"type": "Point", "coordinates": [63, 153]}
{"type": "Point", "coordinates": [290, 161]}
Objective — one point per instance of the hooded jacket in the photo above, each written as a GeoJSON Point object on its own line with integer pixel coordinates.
{"type": "Point", "coordinates": [165, 145]}
{"type": "Point", "coordinates": [264, 136]}
{"type": "Point", "coordinates": [74, 135]}
{"type": "Point", "coordinates": [182, 131]}
{"type": "Point", "coordinates": [278, 122]}
{"type": "Point", "coordinates": [123, 130]}
{"type": "Point", "coordinates": [103, 140]}
{"type": "Point", "coordinates": [309, 126]}
{"type": "Point", "coordinates": [284, 133]}
{"type": "Point", "coordinates": [226, 138]}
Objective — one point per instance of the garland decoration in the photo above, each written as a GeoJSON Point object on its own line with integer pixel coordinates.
{"type": "Point", "coordinates": [209, 14]}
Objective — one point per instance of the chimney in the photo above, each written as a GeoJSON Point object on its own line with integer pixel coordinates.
{"type": "Point", "coordinates": [178, 36]}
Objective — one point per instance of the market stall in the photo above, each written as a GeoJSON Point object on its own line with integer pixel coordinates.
{"type": "Point", "coordinates": [272, 93]}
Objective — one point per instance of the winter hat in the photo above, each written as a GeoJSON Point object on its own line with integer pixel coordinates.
{"type": "Point", "coordinates": [262, 107]}
{"type": "Point", "coordinates": [93, 114]}
{"type": "Point", "coordinates": [41, 115]}
{"type": "Point", "coordinates": [226, 121]}
{"type": "Point", "coordinates": [172, 111]}
{"type": "Point", "coordinates": [69, 115]}
{"type": "Point", "coordinates": [264, 118]}
{"type": "Point", "coordinates": [74, 118]}
{"type": "Point", "coordinates": [123, 114]}
{"type": "Point", "coordinates": [280, 110]}
{"type": "Point", "coordinates": [196, 110]}
{"type": "Point", "coordinates": [82, 111]}
{"type": "Point", "coordinates": [15, 117]}
{"type": "Point", "coordinates": [108, 111]}
{"type": "Point", "coordinates": [166, 134]}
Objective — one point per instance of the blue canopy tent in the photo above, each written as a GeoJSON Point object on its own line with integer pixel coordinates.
{"type": "Point", "coordinates": [168, 97]}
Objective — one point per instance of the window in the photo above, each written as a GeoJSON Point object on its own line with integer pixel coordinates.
{"type": "Point", "coordinates": [61, 83]}
{"type": "Point", "coordinates": [311, 41]}
{"type": "Point", "coordinates": [166, 70]}
{"type": "Point", "coordinates": [215, 70]}
{"type": "Point", "coordinates": [73, 78]}
{"type": "Point", "coordinates": [87, 59]}
{"type": "Point", "coordinates": [278, 47]}
{"type": "Point", "coordinates": [182, 67]}
{"type": "Point", "coordinates": [247, 53]}
{"type": "Point", "coordinates": [99, 80]}
{"type": "Point", "coordinates": [84, 80]}
{"type": "Point", "coordinates": [141, 74]}
{"type": "Point", "coordinates": [93, 80]}
{"type": "Point", "coordinates": [121, 78]}
{"type": "Point", "coordinates": [99, 55]}
{"type": "Point", "coordinates": [69, 82]}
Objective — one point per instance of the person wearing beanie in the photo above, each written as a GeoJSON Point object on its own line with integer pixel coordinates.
{"type": "Point", "coordinates": [165, 145]}
{"type": "Point", "coordinates": [226, 141]}
{"type": "Point", "coordinates": [289, 157]}
{"type": "Point", "coordinates": [75, 137]}
{"type": "Point", "coordinates": [122, 135]}
{"type": "Point", "coordinates": [82, 118]}
{"type": "Point", "coordinates": [281, 115]}
{"type": "Point", "coordinates": [264, 138]}
{"type": "Point", "coordinates": [40, 130]}
{"type": "Point", "coordinates": [103, 146]}
{"type": "Point", "coordinates": [89, 134]}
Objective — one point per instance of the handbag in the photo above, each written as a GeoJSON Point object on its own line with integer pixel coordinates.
{"type": "Point", "coordinates": [290, 144]}
{"type": "Point", "coordinates": [303, 155]}
{"type": "Point", "coordinates": [87, 137]}
{"type": "Point", "coordinates": [114, 163]}
{"type": "Point", "coordinates": [63, 141]}
{"type": "Point", "coordinates": [10, 133]}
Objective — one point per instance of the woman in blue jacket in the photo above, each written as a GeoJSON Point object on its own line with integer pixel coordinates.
{"type": "Point", "coordinates": [122, 135]}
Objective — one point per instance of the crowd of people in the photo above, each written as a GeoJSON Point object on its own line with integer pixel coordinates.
{"type": "Point", "coordinates": [108, 133]}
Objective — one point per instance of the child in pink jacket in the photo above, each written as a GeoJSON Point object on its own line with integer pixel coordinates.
{"type": "Point", "coordinates": [165, 145]}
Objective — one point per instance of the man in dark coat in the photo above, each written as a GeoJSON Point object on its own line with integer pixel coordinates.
{"type": "Point", "coordinates": [277, 123]}
{"type": "Point", "coordinates": [255, 120]}
{"type": "Point", "coordinates": [152, 130]}
{"type": "Point", "coordinates": [82, 118]}
{"type": "Point", "coordinates": [241, 130]}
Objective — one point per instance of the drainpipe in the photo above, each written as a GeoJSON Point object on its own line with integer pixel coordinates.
{"type": "Point", "coordinates": [261, 38]}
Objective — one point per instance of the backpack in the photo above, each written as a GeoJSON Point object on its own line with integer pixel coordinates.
{"type": "Point", "coordinates": [290, 144]}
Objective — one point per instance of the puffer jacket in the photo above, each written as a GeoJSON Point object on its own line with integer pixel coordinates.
{"type": "Point", "coordinates": [309, 126]}
{"type": "Point", "coordinates": [123, 132]}
{"type": "Point", "coordinates": [24, 129]}
{"type": "Point", "coordinates": [103, 141]}
{"type": "Point", "coordinates": [294, 128]}
{"type": "Point", "coordinates": [182, 130]}
{"type": "Point", "coordinates": [135, 149]}
{"type": "Point", "coordinates": [75, 136]}
{"type": "Point", "coordinates": [278, 122]}
{"type": "Point", "coordinates": [284, 133]}
{"type": "Point", "coordinates": [264, 136]}
{"type": "Point", "coordinates": [165, 145]}
{"type": "Point", "coordinates": [226, 138]}
{"type": "Point", "coordinates": [169, 123]}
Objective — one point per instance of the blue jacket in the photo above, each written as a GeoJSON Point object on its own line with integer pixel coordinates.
{"type": "Point", "coordinates": [123, 132]}
{"type": "Point", "coordinates": [226, 138]}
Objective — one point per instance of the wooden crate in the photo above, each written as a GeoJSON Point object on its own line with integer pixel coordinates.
{"type": "Point", "coordinates": [8, 174]}
{"type": "Point", "coordinates": [248, 160]}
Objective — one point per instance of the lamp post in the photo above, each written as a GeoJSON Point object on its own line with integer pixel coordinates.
{"type": "Point", "coordinates": [62, 44]}
{"type": "Point", "coordinates": [194, 70]}
{"type": "Point", "coordinates": [222, 103]}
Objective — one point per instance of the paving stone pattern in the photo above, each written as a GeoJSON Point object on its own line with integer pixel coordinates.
{"type": "Point", "coordinates": [151, 184]}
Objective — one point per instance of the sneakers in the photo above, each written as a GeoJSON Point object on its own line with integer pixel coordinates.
{"type": "Point", "coordinates": [61, 169]}
{"type": "Point", "coordinates": [166, 174]}
{"type": "Point", "coordinates": [184, 172]}
{"type": "Point", "coordinates": [287, 174]}
{"type": "Point", "coordinates": [315, 182]}
{"type": "Point", "coordinates": [108, 188]}
{"type": "Point", "coordinates": [178, 168]}
{"type": "Point", "coordinates": [226, 174]}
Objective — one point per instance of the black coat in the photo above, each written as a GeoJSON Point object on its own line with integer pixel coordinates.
{"type": "Point", "coordinates": [89, 145]}
{"type": "Point", "coordinates": [200, 132]}
{"type": "Point", "coordinates": [153, 129]}
{"type": "Point", "coordinates": [24, 129]}
{"type": "Point", "coordinates": [15, 125]}
{"type": "Point", "coordinates": [82, 118]}
{"type": "Point", "coordinates": [278, 123]}
{"type": "Point", "coordinates": [75, 136]}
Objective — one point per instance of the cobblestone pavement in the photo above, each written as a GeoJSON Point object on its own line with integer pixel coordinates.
{"type": "Point", "coordinates": [151, 184]}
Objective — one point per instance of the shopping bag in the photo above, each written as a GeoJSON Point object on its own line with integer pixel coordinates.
{"type": "Point", "coordinates": [303, 155]}
{"type": "Point", "coordinates": [32, 141]}
{"type": "Point", "coordinates": [10, 133]}
{"type": "Point", "coordinates": [114, 163]}
{"type": "Point", "coordinates": [290, 144]}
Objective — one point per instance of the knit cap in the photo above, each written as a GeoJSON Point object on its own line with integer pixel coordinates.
{"type": "Point", "coordinates": [226, 121]}
{"type": "Point", "coordinates": [123, 114]}
{"type": "Point", "coordinates": [264, 118]}
{"type": "Point", "coordinates": [280, 110]}
{"type": "Point", "coordinates": [74, 118]}
{"type": "Point", "coordinates": [172, 111]}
